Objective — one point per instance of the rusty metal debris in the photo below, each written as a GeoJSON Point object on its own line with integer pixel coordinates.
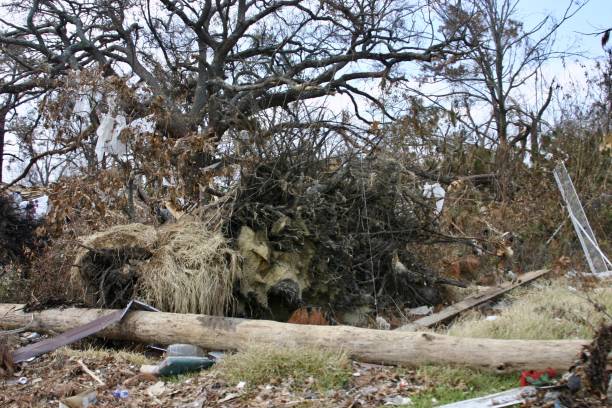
{"type": "Point", "coordinates": [78, 333]}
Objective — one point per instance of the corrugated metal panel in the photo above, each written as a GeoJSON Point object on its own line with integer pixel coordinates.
{"type": "Point", "coordinates": [78, 333]}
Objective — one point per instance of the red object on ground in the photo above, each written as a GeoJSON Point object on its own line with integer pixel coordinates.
{"type": "Point", "coordinates": [529, 377]}
{"type": "Point", "coordinates": [308, 315]}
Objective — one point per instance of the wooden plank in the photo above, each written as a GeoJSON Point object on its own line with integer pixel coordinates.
{"type": "Point", "coordinates": [472, 301]}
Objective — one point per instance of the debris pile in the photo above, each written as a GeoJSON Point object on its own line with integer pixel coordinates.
{"type": "Point", "coordinates": [588, 383]}
{"type": "Point", "coordinates": [332, 233]}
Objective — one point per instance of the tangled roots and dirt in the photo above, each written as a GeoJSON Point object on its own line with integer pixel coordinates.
{"type": "Point", "coordinates": [182, 268]}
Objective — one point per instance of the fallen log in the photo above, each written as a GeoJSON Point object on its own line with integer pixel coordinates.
{"type": "Point", "coordinates": [368, 345]}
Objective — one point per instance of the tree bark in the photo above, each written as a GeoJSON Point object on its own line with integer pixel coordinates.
{"type": "Point", "coordinates": [376, 346]}
{"type": "Point", "coordinates": [3, 112]}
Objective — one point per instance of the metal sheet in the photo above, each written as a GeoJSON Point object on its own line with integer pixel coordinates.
{"type": "Point", "coordinates": [78, 333]}
{"type": "Point", "coordinates": [598, 262]}
{"type": "Point", "coordinates": [501, 399]}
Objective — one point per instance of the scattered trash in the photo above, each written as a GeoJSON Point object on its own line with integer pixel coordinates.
{"type": "Point", "coordinates": [537, 378]}
{"type": "Point", "coordinates": [398, 400]}
{"type": "Point", "coordinates": [90, 373]}
{"type": "Point", "coordinates": [402, 384]}
{"type": "Point", "coordinates": [551, 396]}
{"type": "Point", "coordinates": [382, 324]}
{"type": "Point", "coordinates": [228, 397]}
{"type": "Point", "coordinates": [369, 390]}
{"type": "Point", "coordinates": [241, 385]}
{"type": "Point", "coordinates": [501, 399]}
{"type": "Point", "coordinates": [22, 380]}
{"type": "Point", "coordinates": [573, 382]}
{"type": "Point", "coordinates": [82, 400]}
{"type": "Point", "coordinates": [175, 350]}
{"type": "Point", "coordinates": [149, 369]}
{"type": "Point", "coordinates": [491, 318]}
{"type": "Point", "coordinates": [33, 336]}
{"type": "Point", "coordinates": [216, 355]}
{"type": "Point", "coordinates": [420, 311]}
{"type": "Point", "coordinates": [156, 389]}
{"type": "Point", "coordinates": [118, 393]}
{"type": "Point", "coordinates": [178, 365]}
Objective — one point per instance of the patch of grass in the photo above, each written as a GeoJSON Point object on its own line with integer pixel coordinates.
{"type": "Point", "coordinates": [451, 384]}
{"type": "Point", "coordinates": [101, 354]}
{"type": "Point", "coordinates": [308, 367]}
{"type": "Point", "coordinates": [544, 312]}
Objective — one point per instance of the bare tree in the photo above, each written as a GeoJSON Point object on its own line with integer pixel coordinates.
{"type": "Point", "coordinates": [489, 86]}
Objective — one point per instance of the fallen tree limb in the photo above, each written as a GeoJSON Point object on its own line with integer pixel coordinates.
{"type": "Point", "coordinates": [378, 346]}
{"type": "Point", "coordinates": [471, 301]}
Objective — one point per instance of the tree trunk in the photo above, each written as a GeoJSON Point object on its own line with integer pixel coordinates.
{"type": "Point", "coordinates": [3, 112]}
{"type": "Point", "coordinates": [376, 346]}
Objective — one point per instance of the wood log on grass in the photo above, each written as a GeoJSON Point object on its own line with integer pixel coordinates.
{"type": "Point", "coordinates": [367, 345]}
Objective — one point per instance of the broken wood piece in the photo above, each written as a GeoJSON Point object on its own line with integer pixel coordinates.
{"type": "Point", "coordinates": [74, 334]}
{"type": "Point", "coordinates": [365, 345]}
{"type": "Point", "coordinates": [471, 301]}
{"type": "Point", "coordinates": [90, 373]}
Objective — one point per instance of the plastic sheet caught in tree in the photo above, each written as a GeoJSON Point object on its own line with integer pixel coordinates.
{"type": "Point", "coordinates": [108, 133]}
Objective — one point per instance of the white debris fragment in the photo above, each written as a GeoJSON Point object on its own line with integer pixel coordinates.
{"type": "Point", "coordinates": [382, 323]}
{"type": "Point", "coordinates": [398, 400]}
{"type": "Point", "coordinates": [435, 190]}
{"type": "Point", "coordinates": [108, 133]}
{"type": "Point", "coordinates": [420, 311]}
{"type": "Point", "coordinates": [156, 389]}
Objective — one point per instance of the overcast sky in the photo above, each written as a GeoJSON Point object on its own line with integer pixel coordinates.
{"type": "Point", "coordinates": [596, 15]}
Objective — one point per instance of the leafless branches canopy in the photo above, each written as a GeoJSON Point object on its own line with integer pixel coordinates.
{"type": "Point", "coordinates": [215, 64]}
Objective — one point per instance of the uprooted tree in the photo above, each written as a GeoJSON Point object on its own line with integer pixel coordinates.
{"type": "Point", "coordinates": [219, 88]}
{"type": "Point", "coordinates": [223, 105]}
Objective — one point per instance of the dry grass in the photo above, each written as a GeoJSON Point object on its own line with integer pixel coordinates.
{"type": "Point", "coordinates": [193, 270]}
{"type": "Point", "coordinates": [305, 366]}
{"type": "Point", "coordinates": [547, 311]}
{"type": "Point", "coordinates": [101, 354]}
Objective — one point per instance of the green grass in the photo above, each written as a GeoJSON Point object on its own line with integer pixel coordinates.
{"type": "Point", "coordinates": [450, 384]}
{"type": "Point", "coordinates": [313, 368]}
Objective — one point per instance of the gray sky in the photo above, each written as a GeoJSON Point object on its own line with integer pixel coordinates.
{"type": "Point", "coordinates": [596, 15]}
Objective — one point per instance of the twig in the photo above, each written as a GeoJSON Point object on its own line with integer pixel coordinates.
{"type": "Point", "coordinates": [90, 373]}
